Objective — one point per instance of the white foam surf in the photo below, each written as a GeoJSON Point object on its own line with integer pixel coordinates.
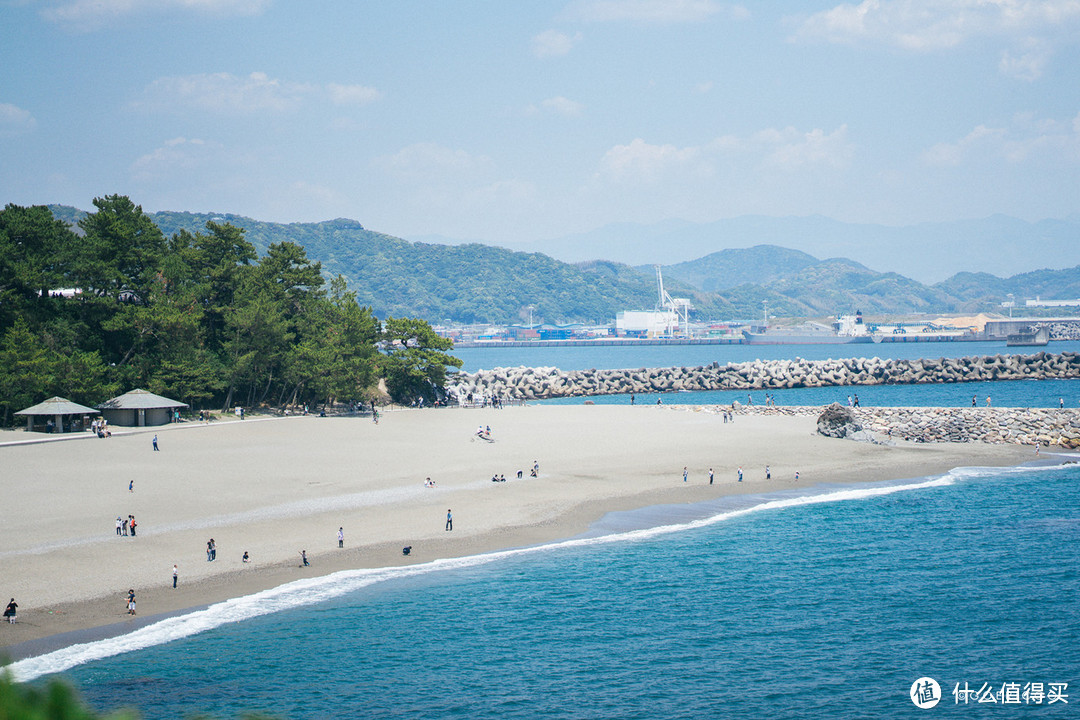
{"type": "Point", "coordinates": [313, 590]}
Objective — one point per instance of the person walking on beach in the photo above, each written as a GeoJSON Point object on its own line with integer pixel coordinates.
{"type": "Point", "coordinates": [341, 537]}
{"type": "Point", "coordinates": [131, 602]}
{"type": "Point", "coordinates": [710, 476]}
{"type": "Point", "coordinates": [10, 610]}
{"type": "Point", "coordinates": [740, 473]}
{"type": "Point", "coordinates": [174, 574]}
{"type": "Point", "coordinates": [303, 558]}
{"type": "Point", "coordinates": [768, 473]}
{"type": "Point", "coordinates": [125, 525]}
{"type": "Point", "coordinates": [119, 525]}
{"type": "Point", "coordinates": [132, 524]}
{"type": "Point", "coordinates": [131, 486]}
{"type": "Point", "coordinates": [449, 520]}
{"type": "Point", "coordinates": [684, 473]}
{"type": "Point", "coordinates": [155, 443]}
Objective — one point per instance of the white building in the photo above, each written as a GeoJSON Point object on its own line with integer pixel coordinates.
{"type": "Point", "coordinates": [650, 323]}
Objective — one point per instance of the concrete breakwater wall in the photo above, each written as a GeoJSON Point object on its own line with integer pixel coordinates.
{"type": "Point", "coordinates": [525, 383]}
{"type": "Point", "coordinates": [1022, 426]}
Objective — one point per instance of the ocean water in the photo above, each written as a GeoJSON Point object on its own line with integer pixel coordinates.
{"type": "Point", "coordinates": [638, 356]}
{"type": "Point", "coordinates": [1005, 393]}
{"type": "Point", "coordinates": [828, 601]}
{"type": "Point", "coordinates": [1002, 393]}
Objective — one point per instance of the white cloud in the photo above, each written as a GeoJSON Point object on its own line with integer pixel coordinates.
{"type": "Point", "coordinates": [1029, 30]}
{"type": "Point", "coordinates": [790, 148]}
{"type": "Point", "coordinates": [229, 94]}
{"type": "Point", "coordinates": [925, 25]}
{"type": "Point", "coordinates": [176, 156]}
{"type": "Point", "coordinates": [352, 94]}
{"type": "Point", "coordinates": [1028, 64]}
{"type": "Point", "coordinates": [90, 14]}
{"type": "Point", "coordinates": [14, 120]}
{"type": "Point", "coordinates": [648, 11]}
{"type": "Point", "coordinates": [433, 163]}
{"type": "Point", "coordinates": [644, 162]}
{"type": "Point", "coordinates": [1026, 139]}
{"type": "Point", "coordinates": [785, 150]}
{"type": "Point", "coordinates": [562, 106]}
{"type": "Point", "coordinates": [552, 43]}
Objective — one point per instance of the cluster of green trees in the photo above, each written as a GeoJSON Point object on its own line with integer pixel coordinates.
{"type": "Point", "coordinates": [198, 317]}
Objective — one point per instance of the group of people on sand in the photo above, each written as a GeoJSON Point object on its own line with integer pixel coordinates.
{"type": "Point", "coordinates": [100, 427]}
{"type": "Point", "coordinates": [738, 473]}
{"type": "Point", "coordinates": [126, 526]}
{"type": "Point", "coordinates": [533, 472]}
{"type": "Point", "coordinates": [211, 552]}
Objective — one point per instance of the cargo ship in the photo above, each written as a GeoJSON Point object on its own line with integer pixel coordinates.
{"type": "Point", "coordinates": [846, 330]}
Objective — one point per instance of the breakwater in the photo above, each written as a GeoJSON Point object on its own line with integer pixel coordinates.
{"type": "Point", "coordinates": [1021, 426]}
{"type": "Point", "coordinates": [531, 383]}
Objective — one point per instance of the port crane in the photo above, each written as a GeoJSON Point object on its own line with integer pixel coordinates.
{"type": "Point", "coordinates": [678, 309]}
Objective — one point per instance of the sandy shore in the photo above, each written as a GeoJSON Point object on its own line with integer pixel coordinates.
{"type": "Point", "coordinates": [277, 486]}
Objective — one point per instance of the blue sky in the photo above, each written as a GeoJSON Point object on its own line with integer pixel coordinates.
{"type": "Point", "coordinates": [509, 122]}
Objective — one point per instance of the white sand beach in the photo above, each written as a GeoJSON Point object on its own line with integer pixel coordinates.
{"type": "Point", "coordinates": [274, 487]}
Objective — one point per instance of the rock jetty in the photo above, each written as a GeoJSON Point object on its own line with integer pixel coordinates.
{"type": "Point", "coordinates": [535, 383]}
{"type": "Point", "coordinates": [1018, 426]}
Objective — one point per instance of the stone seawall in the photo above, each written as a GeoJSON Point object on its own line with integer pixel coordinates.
{"type": "Point", "coordinates": [525, 383]}
{"type": "Point", "coordinates": [1021, 426]}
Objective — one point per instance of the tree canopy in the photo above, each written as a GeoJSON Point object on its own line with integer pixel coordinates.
{"type": "Point", "coordinates": [200, 317]}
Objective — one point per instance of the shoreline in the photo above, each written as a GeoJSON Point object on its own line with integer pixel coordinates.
{"type": "Point", "coordinates": [600, 474]}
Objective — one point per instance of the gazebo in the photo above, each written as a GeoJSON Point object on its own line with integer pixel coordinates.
{"type": "Point", "coordinates": [139, 408]}
{"type": "Point", "coordinates": [57, 414]}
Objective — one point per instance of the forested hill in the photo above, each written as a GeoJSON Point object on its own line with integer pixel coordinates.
{"type": "Point", "coordinates": [476, 283]}
{"type": "Point", "coordinates": [464, 283]}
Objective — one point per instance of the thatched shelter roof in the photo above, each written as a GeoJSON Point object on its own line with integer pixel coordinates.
{"type": "Point", "coordinates": [57, 406]}
{"type": "Point", "coordinates": [140, 400]}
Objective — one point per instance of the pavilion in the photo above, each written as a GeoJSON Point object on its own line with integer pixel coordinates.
{"type": "Point", "coordinates": [139, 408]}
{"type": "Point", "coordinates": [57, 414]}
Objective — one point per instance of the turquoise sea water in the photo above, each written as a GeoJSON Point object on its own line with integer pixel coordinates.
{"type": "Point", "coordinates": [828, 603]}
{"type": "Point", "coordinates": [583, 358]}
{"type": "Point", "coordinates": [1016, 393]}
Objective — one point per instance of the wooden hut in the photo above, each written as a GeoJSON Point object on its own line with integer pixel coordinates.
{"type": "Point", "coordinates": [140, 408]}
{"type": "Point", "coordinates": [57, 414]}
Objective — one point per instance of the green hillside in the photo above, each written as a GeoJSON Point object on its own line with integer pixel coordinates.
{"type": "Point", "coordinates": [726, 269]}
{"type": "Point", "coordinates": [474, 283]}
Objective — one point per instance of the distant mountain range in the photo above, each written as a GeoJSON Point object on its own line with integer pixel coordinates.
{"type": "Point", "coordinates": [928, 252]}
{"type": "Point", "coordinates": [475, 283]}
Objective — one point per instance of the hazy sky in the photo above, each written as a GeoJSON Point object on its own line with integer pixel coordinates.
{"type": "Point", "coordinates": [511, 121]}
